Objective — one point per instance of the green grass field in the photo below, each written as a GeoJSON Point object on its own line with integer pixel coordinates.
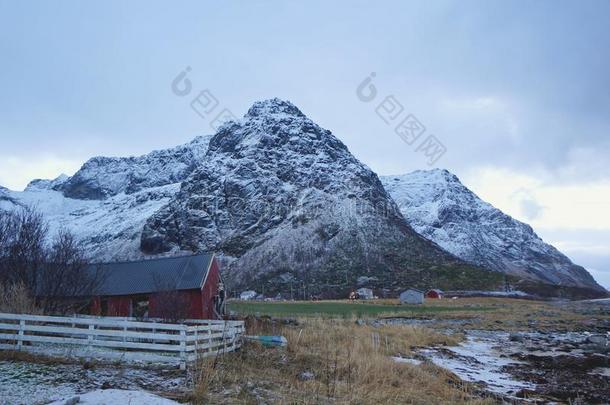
{"type": "Point", "coordinates": [342, 309]}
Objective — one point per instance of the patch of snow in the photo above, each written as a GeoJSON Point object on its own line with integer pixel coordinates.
{"type": "Point", "coordinates": [604, 371]}
{"type": "Point", "coordinates": [478, 360]}
{"type": "Point", "coordinates": [406, 360]}
{"type": "Point", "coordinates": [119, 397]}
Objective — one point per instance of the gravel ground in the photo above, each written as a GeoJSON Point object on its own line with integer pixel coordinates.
{"type": "Point", "coordinates": [35, 383]}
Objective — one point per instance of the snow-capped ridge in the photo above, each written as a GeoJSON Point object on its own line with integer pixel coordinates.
{"type": "Point", "coordinates": [439, 207]}
{"type": "Point", "coordinates": [102, 177]}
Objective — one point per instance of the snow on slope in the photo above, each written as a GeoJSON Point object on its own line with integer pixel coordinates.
{"type": "Point", "coordinates": [109, 229]}
{"type": "Point", "coordinates": [439, 207]}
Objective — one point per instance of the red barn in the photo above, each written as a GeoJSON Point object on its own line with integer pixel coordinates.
{"type": "Point", "coordinates": [437, 294]}
{"type": "Point", "coordinates": [183, 287]}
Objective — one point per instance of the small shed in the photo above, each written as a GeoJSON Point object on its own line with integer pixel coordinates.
{"type": "Point", "coordinates": [434, 294]}
{"type": "Point", "coordinates": [365, 293]}
{"type": "Point", "coordinates": [412, 296]}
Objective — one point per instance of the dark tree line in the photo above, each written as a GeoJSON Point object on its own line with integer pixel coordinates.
{"type": "Point", "coordinates": [51, 268]}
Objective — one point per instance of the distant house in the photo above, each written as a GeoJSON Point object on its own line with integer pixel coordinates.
{"type": "Point", "coordinates": [434, 293]}
{"type": "Point", "coordinates": [248, 295]}
{"type": "Point", "coordinates": [184, 287]}
{"type": "Point", "coordinates": [365, 293]}
{"type": "Point", "coordinates": [412, 296]}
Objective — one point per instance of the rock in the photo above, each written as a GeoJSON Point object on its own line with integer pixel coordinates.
{"type": "Point", "coordinates": [600, 340]}
{"type": "Point", "coordinates": [525, 393]}
{"type": "Point", "coordinates": [516, 337]}
{"type": "Point", "coordinates": [290, 321]}
{"type": "Point", "coordinates": [306, 376]}
{"type": "Point", "coordinates": [598, 343]}
{"type": "Point", "coordinates": [72, 401]}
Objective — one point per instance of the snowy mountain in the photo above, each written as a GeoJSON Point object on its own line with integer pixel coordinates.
{"type": "Point", "coordinates": [289, 208]}
{"type": "Point", "coordinates": [103, 177]}
{"type": "Point", "coordinates": [439, 207]}
{"type": "Point", "coordinates": [285, 201]}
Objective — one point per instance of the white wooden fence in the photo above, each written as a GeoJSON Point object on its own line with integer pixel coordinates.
{"type": "Point", "coordinates": [122, 339]}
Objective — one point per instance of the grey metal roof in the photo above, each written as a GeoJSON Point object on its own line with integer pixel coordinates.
{"type": "Point", "coordinates": [147, 276]}
{"type": "Point", "coordinates": [412, 289]}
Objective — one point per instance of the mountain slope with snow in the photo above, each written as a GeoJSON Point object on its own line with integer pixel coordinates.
{"type": "Point", "coordinates": [439, 207]}
{"type": "Point", "coordinates": [109, 229]}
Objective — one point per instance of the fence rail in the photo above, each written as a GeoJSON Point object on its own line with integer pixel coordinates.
{"type": "Point", "coordinates": [119, 338]}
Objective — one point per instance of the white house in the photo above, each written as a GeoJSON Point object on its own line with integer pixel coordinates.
{"type": "Point", "coordinates": [412, 296]}
{"type": "Point", "coordinates": [365, 293]}
{"type": "Point", "coordinates": [248, 295]}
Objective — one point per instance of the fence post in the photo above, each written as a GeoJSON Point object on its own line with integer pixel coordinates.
{"type": "Point", "coordinates": [209, 325]}
{"type": "Point", "coordinates": [183, 348]}
{"type": "Point", "coordinates": [21, 333]}
{"type": "Point", "coordinates": [224, 337]}
{"type": "Point", "coordinates": [90, 337]}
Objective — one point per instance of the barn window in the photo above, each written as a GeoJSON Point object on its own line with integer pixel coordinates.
{"type": "Point", "coordinates": [140, 306]}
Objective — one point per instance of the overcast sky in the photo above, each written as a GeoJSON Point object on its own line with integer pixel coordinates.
{"type": "Point", "coordinates": [517, 91]}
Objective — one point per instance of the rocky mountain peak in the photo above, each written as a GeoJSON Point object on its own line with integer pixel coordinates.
{"type": "Point", "coordinates": [273, 107]}
{"type": "Point", "coordinates": [276, 133]}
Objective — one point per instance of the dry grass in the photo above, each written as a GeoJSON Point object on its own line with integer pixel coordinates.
{"type": "Point", "coordinates": [16, 299]}
{"type": "Point", "coordinates": [351, 364]}
{"type": "Point", "coordinates": [514, 314]}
